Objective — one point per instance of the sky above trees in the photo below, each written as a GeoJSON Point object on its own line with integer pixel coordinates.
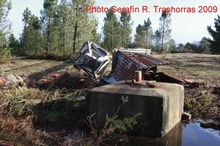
{"type": "Point", "coordinates": [186, 27]}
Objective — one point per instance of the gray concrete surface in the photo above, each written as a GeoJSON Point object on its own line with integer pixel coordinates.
{"type": "Point", "coordinates": [161, 108]}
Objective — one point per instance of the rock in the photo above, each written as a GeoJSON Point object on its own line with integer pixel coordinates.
{"type": "Point", "coordinates": [210, 124]}
{"type": "Point", "coordinates": [11, 81]}
{"type": "Point", "coordinates": [216, 125]}
{"type": "Point", "coordinates": [21, 81]}
{"type": "Point", "coordinates": [206, 124]}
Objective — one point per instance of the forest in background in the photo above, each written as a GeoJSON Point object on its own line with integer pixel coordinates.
{"type": "Point", "coordinates": [62, 28]}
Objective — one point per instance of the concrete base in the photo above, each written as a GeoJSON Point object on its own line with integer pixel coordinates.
{"type": "Point", "coordinates": [161, 107]}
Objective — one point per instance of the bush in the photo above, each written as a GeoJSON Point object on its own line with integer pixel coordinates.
{"type": "Point", "coordinates": [5, 55]}
{"type": "Point", "coordinates": [113, 127]}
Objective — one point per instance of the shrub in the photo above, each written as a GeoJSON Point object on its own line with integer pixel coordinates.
{"type": "Point", "coordinates": [5, 55]}
{"type": "Point", "coordinates": [113, 127]}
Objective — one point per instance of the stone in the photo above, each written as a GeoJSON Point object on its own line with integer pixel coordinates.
{"type": "Point", "coordinates": [206, 124]}
{"type": "Point", "coordinates": [161, 108]}
{"type": "Point", "coordinates": [11, 81]}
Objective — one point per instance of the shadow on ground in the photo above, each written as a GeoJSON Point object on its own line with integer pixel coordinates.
{"type": "Point", "coordinates": [42, 73]}
{"type": "Point", "coordinates": [60, 115]}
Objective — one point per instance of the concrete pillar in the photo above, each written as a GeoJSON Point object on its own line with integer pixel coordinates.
{"type": "Point", "coordinates": [161, 107]}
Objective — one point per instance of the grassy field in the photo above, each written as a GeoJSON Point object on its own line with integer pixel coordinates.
{"type": "Point", "coordinates": [49, 116]}
{"type": "Point", "coordinates": [203, 69]}
{"type": "Point", "coordinates": [198, 67]}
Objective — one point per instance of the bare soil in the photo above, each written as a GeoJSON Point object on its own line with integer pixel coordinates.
{"type": "Point", "coordinates": [54, 115]}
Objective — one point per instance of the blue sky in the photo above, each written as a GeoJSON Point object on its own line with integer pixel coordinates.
{"type": "Point", "coordinates": [186, 27]}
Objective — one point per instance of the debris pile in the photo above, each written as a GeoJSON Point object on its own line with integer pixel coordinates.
{"type": "Point", "coordinates": [93, 60]}
{"type": "Point", "coordinates": [68, 81]}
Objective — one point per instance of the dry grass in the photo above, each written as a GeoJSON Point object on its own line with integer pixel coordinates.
{"type": "Point", "coordinates": [198, 67]}
{"type": "Point", "coordinates": [29, 67]}
{"type": "Point", "coordinates": [201, 102]}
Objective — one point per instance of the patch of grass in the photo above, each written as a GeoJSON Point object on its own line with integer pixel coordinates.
{"type": "Point", "coordinates": [31, 67]}
{"type": "Point", "coordinates": [5, 55]}
{"type": "Point", "coordinates": [197, 67]}
{"type": "Point", "coordinates": [207, 98]}
{"type": "Point", "coordinates": [28, 107]}
{"type": "Point", "coordinates": [18, 102]}
{"type": "Point", "coordinates": [110, 133]}
{"type": "Point", "coordinates": [187, 103]}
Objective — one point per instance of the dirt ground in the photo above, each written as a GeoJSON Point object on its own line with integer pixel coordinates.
{"type": "Point", "coordinates": [39, 115]}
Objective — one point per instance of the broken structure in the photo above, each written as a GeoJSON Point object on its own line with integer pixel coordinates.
{"type": "Point", "coordinates": [92, 59]}
{"type": "Point", "coordinates": [125, 63]}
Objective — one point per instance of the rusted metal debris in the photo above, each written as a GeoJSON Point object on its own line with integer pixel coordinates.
{"type": "Point", "coordinates": [125, 64]}
{"type": "Point", "coordinates": [138, 81]}
{"type": "Point", "coordinates": [92, 59]}
{"type": "Point", "coordinates": [137, 50]}
{"type": "Point", "coordinates": [164, 77]}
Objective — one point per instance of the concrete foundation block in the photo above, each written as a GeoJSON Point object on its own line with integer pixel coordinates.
{"type": "Point", "coordinates": [161, 108]}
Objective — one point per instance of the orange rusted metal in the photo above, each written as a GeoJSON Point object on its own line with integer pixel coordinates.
{"type": "Point", "coordinates": [138, 76]}
{"type": "Point", "coordinates": [125, 64]}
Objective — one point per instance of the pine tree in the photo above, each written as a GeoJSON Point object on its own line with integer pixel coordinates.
{"type": "Point", "coordinates": [165, 30]}
{"type": "Point", "coordinates": [204, 45]}
{"type": "Point", "coordinates": [57, 31]}
{"type": "Point", "coordinates": [215, 43]}
{"type": "Point", "coordinates": [111, 31]}
{"type": "Point", "coordinates": [5, 24]}
{"type": "Point", "coordinates": [65, 35]}
{"type": "Point", "coordinates": [143, 37]}
{"type": "Point", "coordinates": [31, 37]}
{"type": "Point", "coordinates": [148, 33]}
{"type": "Point", "coordinates": [47, 15]}
{"type": "Point", "coordinates": [83, 22]}
{"type": "Point", "coordinates": [125, 29]}
{"type": "Point", "coordinates": [96, 37]}
{"type": "Point", "coordinates": [171, 45]}
{"type": "Point", "coordinates": [35, 29]}
{"type": "Point", "coordinates": [14, 44]}
{"type": "Point", "coordinates": [157, 39]}
{"type": "Point", "coordinates": [26, 44]}
{"type": "Point", "coordinates": [139, 37]}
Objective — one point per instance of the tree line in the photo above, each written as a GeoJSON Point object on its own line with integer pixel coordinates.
{"type": "Point", "coordinates": [60, 30]}
{"type": "Point", "coordinates": [63, 27]}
